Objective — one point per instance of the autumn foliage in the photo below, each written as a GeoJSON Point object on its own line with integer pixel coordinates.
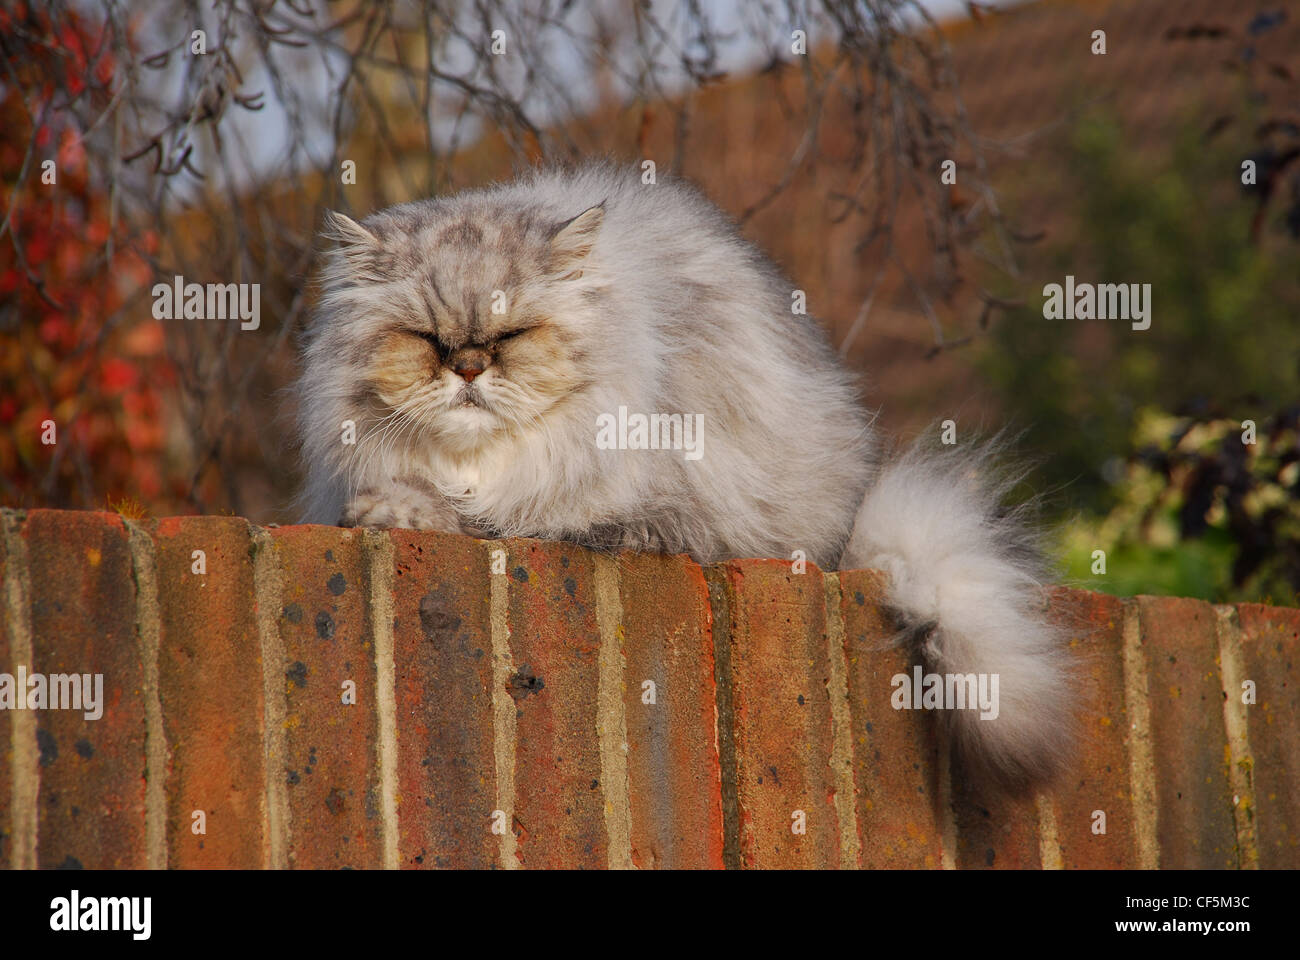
{"type": "Point", "coordinates": [78, 345]}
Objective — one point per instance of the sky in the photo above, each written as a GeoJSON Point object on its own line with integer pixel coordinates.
{"type": "Point", "coordinates": [265, 140]}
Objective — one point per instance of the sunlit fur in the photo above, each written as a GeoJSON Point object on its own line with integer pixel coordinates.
{"type": "Point", "coordinates": [658, 306]}
{"type": "Point", "coordinates": [623, 293]}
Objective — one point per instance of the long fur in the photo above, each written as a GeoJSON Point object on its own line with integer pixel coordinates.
{"type": "Point", "coordinates": [673, 313]}
{"type": "Point", "coordinates": [965, 578]}
{"type": "Point", "coordinates": [645, 296]}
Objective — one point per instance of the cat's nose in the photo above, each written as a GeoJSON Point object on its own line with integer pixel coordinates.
{"type": "Point", "coordinates": [469, 362]}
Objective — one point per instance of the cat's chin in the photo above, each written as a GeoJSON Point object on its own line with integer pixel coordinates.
{"type": "Point", "coordinates": [464, 429]}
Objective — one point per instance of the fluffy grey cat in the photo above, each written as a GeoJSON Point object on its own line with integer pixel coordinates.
{"type": "Point", "coordinates": [578, 355]}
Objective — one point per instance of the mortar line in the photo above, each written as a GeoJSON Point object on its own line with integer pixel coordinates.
{"type": "Point", "coordinates": [504, 725]}
{"type": "Point", "coordinates": [716, 579]}
{"type": "Point", "coordinates": [379, 572]}
{"type": "Point", "coordinates": [611, 716]}
{"type": "Point", "coordinates": [268, 588]}
{"type": "Point", "coordinates": [1049, 844]}
{"type": "Point", "coordinates": [1141, 751]}
{"type": "Point", "coordinates": [1240, 758]}
{"type": "Point", "coordinates": [841, 758]}
{"type": "Point", "coordinates": [26, 774]}
{"type": "Point", "coordinates": [947, 812]}
{"type": "Point", "coordinates": [148, 630]}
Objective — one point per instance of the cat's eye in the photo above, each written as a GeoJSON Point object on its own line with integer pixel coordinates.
{"type": "Point", "coordinates": [506, 337]}
{"type": "Point", "coordinates": [430, 338]}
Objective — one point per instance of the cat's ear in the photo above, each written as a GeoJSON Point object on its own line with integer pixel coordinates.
{"type": "Point", "coordinates": [347, 232]}
{"type": "Point", "coordinates": [573, 239]}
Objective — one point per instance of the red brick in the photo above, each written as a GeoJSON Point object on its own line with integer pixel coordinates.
{"type": "Point", "coordinates": [895, 765]}
{"type": "Point", "coordinates": [443, 651]}
{"type": "Point", "coordinates": [1195, 826]}
{"type": "Point", "coordinates": [331, 748]}
{"type": "Point", "coordinates": [782, 715]}
{"type": "Point", "coordinates": [674, 776]}
{"type": "Point", "coordinates": [210, 684]}
{"type": "Point", "coordinates": [1271, 645]}
{"type": "Point", "coordinates": [1098, 777]}
{"type": "Point", "coordinates": [714, 768]}
{"type": "Point", "coordinates": [555, 646]}
{"type": "Point", "coordinates": [1000, 833]}
{"type": "Point", "coordinates": [91, 801]}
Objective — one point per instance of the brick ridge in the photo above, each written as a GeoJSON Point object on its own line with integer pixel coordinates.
{"type": "Point", "coordinates": [306, 696]}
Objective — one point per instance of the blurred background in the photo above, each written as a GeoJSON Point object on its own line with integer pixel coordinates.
{"type": "Point", "coordinates": [1133, 141]}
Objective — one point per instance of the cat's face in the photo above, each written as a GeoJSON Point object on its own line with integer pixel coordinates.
{"type": "Point", "coordinates": [463, 327]}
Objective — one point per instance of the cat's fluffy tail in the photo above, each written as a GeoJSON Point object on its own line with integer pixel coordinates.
{"type": "Point", "coordinates": [965, 583]}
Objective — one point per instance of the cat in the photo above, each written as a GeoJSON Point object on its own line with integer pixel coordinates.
{"type": "Point", "coordinates": [499, 352]}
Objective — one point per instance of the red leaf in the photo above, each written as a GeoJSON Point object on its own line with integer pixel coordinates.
{"type": "Point", "coordinates": [117, 376]}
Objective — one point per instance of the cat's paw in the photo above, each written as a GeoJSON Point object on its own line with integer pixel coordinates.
{"type": "Point", "coordinates": [400, 506]}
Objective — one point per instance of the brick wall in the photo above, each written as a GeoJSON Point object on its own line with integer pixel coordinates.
{"type": "Point", "coordinates": [508, 684]}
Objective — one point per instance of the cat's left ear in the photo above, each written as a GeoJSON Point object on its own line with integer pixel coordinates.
{"type": "Point", "coordinates": [347, 232]}
{"type": "Point", "coordinates": [574, 238]}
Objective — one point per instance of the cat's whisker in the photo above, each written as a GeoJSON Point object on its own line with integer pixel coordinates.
{"type": "Point", "coordinates": [385, 431]}
{"type": "Point", "coordinates": [415, 421]}
{"type": "Point", "coordinates": [412, 415]}
{"type": "Point", "coordinates": [376, 434]}
{"type": "Point", "coordinates": [347, 467]}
